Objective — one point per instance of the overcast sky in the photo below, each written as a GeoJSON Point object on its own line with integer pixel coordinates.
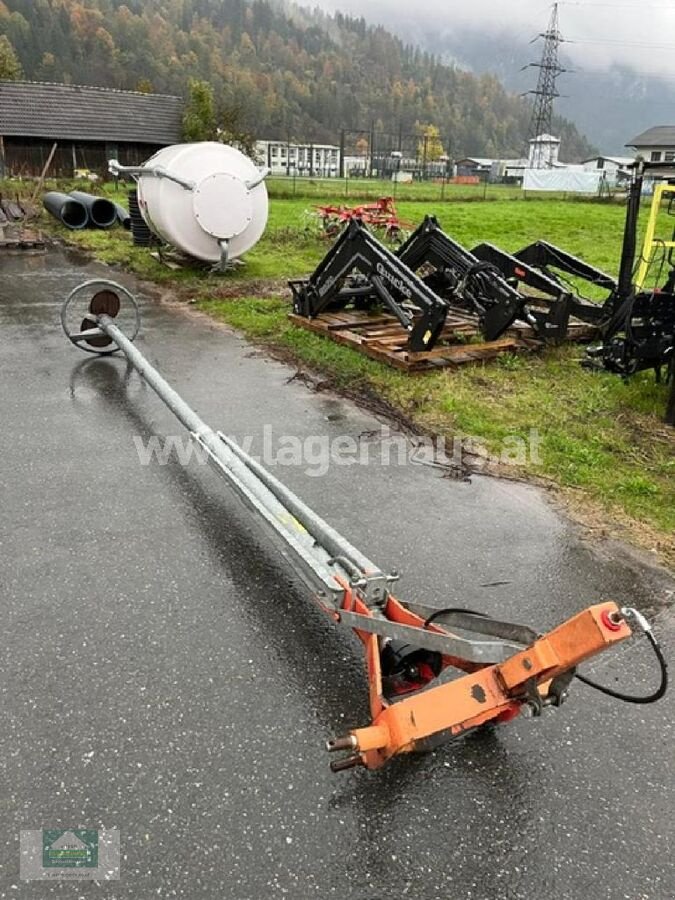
{"type": "Point", "coordinates": [641, 35]}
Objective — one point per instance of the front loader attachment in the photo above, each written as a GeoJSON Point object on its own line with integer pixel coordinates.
{"type": "Point", "coordinates": [561, 267]}
{"type": "Point", "coordinates": [430, 274]}
{"type": "Point", "coordinates": [359, 269]}
{"type": "Point", "coordinates": [638, 329]}
{"type": "Point", "coordinates": [496, 286]}
{"type": "Point", "coordinates": [547, 304]}
{"type": "Point", "coordinates": [462, 279]}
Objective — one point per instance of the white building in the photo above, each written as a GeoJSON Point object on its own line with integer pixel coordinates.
{"type": "Point", "coordinates": [616, 168]}
{"type": "Point", "coordinates": [544, 152]}
{"type": "Point", "coordinates": [287, 158]}
{"type": "Point", "coordinates": [356, 166]}
{"type": "Point", "coordinates": [656, 144]}
{"type": "Point", "coordinates": [515, 168]}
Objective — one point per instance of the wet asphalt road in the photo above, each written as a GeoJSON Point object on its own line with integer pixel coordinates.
{"type": "Point", "coordinates": [164, 674]}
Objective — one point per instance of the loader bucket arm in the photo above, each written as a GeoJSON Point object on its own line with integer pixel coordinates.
{"type": "Point", "coordinates": [463, 279]}
{"type": "Point", "coordinates": [517, 272]}
{"type": "Point", "coordinates": [544, 256]}
{"type": "Point", "coordinates": [549, 259]}
{"type": "Point", "coordinates": [384, 276]}
{"type": "Point", "coordinates": [550, 308]}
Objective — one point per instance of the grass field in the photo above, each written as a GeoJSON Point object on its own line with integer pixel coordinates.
{"type": "Point", "coordinates": [291, 246]}
{"type": "Point", "coordinates": [603, 444]}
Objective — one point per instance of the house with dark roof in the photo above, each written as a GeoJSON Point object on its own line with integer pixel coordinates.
{"type": "Point", "coordinates": [88, 125]}
{"type": "Point", "coordinates": [656, 144]}
{"type": "Point", "coordinates": [474, 166]}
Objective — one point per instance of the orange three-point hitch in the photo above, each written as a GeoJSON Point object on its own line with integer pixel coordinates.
{"type": "Point", "coordinates": [529, 679]}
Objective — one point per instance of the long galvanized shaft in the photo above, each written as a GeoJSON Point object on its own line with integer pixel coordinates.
{"type": "Point", "coordinates": [323, 551]}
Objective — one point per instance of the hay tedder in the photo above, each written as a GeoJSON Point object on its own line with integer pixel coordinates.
{"type": "Point", "coordinates": [381, 215]}
{"type": "Point", "coordinates": [539, 288]}
{"type": "Point", "coordinates": [433, 674]}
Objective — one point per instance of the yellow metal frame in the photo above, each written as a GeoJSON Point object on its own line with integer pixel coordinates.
{"type": "Point", "coordinates": [649, 243]}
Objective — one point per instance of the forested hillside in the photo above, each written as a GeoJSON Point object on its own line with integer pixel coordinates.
{"type": "Point", "coordinates": [290, 71]}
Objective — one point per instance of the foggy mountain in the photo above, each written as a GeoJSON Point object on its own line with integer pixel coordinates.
{"type": "Point", "coordinates": [609, 107]}
{"type": "Point", "coordinates": [622, 77]}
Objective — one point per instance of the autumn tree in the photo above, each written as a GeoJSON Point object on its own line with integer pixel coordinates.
{"type": "Point", "coordinates": [430, 146]}
{"type": "Point", "coordinates": [10, 67]}
{"type": "Point", "coordinates": [206, 120]}
{"type": "Point", "coordinates": [362, 147]}
{"type": "Point", "coordinates": [48, 69]}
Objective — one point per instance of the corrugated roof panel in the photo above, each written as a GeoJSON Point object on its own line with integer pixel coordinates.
{"type": "Point", "coordinates": [82, 113]}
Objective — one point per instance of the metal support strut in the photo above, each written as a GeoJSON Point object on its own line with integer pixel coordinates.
{"type": "Point", "coordinates": [433, 674]}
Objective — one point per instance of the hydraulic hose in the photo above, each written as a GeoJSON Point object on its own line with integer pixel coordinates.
{"type": "Point", "coordinates": [631, 698]}
{"type": "Point", "coordinates": [628, 613]}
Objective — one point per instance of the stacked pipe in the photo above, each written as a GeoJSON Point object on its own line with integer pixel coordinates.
{"type": "Point", "coordinates": [78, 210]}
{"type": "Point", "coordinates": [68, 211]}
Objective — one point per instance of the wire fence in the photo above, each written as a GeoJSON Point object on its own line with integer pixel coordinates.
{"type": "Point", "coordinates": [343, 189]}
{"type": "Point", "coordinates": [354, 190]}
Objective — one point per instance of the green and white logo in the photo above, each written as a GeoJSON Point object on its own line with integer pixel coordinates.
{"type": "Point", "coordinates": [70, 854]}
{"type": "Point", "coordinates": [69, 848]}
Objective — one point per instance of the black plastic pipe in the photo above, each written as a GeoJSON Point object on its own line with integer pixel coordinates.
{"type": "Point", "coordinates": [123, 216]}
{"type": "Point", "coordinates": [66, 209]}
{"type": "Point", "coordinates": [101, 212]}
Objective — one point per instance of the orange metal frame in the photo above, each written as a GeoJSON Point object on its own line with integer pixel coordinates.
{"type": "Point", "coordinates": [485, 693]}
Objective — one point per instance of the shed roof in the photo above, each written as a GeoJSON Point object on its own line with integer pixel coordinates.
{"type": "Point", "coordinates": [83, 113]}
{"type": "Point", "coordinates": [478, 160]}
{"type": "Point", "coordinates": [545, 139]}
{"type": "Point", "coordinates": [619, 160]}
{"type": "Point", "coordinates": [658, 136]}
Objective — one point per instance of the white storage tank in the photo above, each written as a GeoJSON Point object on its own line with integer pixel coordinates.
{"type": "Point", "coordinates": [207, 199]}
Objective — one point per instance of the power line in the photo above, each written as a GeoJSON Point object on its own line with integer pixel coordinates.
{"type": "Point", "coordinates": [645, 45]}
{"type": "Point", "coordinates": [641, 6]}
{"type": "Point", "coordinates": [639, 74]}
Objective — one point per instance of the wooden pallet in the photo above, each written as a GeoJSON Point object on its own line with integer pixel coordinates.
{"type": "Point", "coordinates": [22, 241]}
{"type": "Point", "coordinates": [381, 336]}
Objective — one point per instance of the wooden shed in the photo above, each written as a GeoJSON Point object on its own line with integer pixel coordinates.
{"type": "Point", "coordinates": [88, 125]}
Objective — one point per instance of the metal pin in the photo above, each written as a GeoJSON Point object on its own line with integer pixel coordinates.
{"type": "Point", "coordinates": [348, 742]}
{"type": "Point", "coordinates": [349, 762]}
